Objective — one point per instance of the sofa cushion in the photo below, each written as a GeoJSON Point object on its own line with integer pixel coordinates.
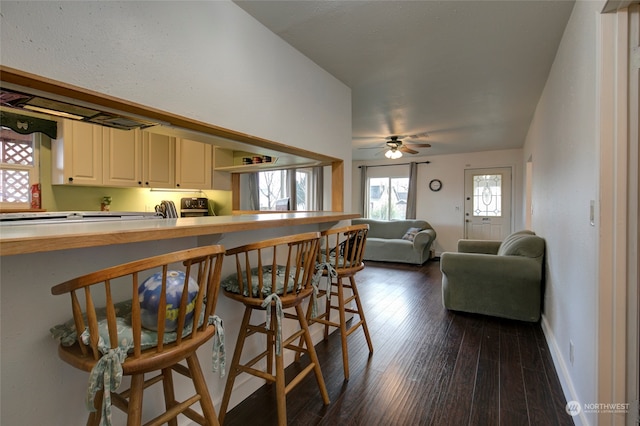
{"type": "Point", "coordinates": [393, 229]}
{"type": "Point", "coordinates": [522, 244]}
{"type": "Point", "coordinates": [385, 241]}
{"type": "Point", "coordinates": [410, 235]}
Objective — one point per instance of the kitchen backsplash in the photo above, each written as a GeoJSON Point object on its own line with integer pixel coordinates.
{"type": "Point", "coordinates": [64, 198]}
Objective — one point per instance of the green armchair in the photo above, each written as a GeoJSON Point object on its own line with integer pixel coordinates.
{"type": "Point", "coordinates": [502, 279]}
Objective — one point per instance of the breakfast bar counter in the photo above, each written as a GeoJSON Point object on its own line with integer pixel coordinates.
{"type": "Point", "coordinates": [34, 258]}
{"type": "Point", "coordinates": [23, 239]}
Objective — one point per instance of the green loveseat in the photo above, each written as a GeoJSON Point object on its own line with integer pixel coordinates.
{"type": "Point", "coordinates": [502, 279]}
{"type": "Point", "coordinates": [385, 241]}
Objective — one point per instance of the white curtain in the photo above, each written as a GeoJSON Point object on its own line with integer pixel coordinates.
{"type": "Point", "coordinates": [413, 191]}
{"type": "Point", "coordinates": [291, 189]}
{"type": "Point", "coordinates": [318, 182]}
{"type": "Point", "coordinates": [363, 191]}
{"type": "Point", "coordinates": [254, 191]}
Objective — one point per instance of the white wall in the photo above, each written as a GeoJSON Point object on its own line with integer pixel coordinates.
{"type": "Point", "coordinates": [444, 209]}
{"type": "Point", "coordinates": [208, 61]}
{"type": "Point", "coordinates": [562, 143]}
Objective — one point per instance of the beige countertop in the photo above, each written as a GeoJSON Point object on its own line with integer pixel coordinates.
{"type": "Point", "coordinates": [22, 239]}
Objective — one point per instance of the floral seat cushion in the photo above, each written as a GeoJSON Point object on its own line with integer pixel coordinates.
{"type": "Point", "coordinates": [231, 284]}
{"type": "Point", "coordinates": [67, 335]}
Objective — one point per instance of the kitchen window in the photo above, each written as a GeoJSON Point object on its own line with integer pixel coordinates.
{"type": "Point", "coordinates": [18, 168]}
{"type": "Point", "coordinates": [294, 184]}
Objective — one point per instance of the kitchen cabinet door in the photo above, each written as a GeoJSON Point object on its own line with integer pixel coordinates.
{"type": "Point", "coordinates": [122, 154]}
{"type": "Point", "coordinates": [77, 154]}
{"type": "Point", "coordinates": [158, 160]}
{"type": "Point", "coordinates": [193, 164]}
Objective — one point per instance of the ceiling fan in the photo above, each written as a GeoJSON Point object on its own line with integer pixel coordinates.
{"type": "Point", "coordinates": [396, 147]}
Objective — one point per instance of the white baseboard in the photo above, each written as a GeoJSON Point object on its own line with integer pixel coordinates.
{"type": "Point", "coordinates": [563, 373]}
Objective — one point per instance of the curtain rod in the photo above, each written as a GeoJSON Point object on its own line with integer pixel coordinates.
{"type": "Point", "coordinates": [398, 164]}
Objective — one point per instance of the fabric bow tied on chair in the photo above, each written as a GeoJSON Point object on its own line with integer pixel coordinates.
{"type": "Point", "coordinates": [106, 375]}
{"type": "Point", "coordinates": [279, 315]}
{"type": "Point", "coordinates": [331, 273]}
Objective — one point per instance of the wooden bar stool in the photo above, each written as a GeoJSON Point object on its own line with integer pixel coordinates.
{"type": "Point", "coordinates": [341, 257]}
{"type": "Point", "coordinates": [169, 314]}
{"type": "Point", "coordinates": [271, 276]}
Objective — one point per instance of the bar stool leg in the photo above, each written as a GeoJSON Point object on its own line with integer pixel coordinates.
{"type": "Point", "coordinates": [327, 315]}
{"type": "Point", "coordinates": [343, 329]}
{"type": "Point", "coordinates": [281, 397]}
{"type": "Point", "coordinates": [271, 342]}
{"type": "Point", "coordinates": [169, 395]}
{"type": "Point", "coordinates": [201, 387]}
{"type": "Point", "coordinates": [94, 417]}
{"type": "Point", "coordinates": [134, 414]}
{"type": "Point", "coordinates": [361, 313]}
{"type": "Point", "coordinates": [313, 356]}
{"type": "Point", "coordinates": [233, 370]}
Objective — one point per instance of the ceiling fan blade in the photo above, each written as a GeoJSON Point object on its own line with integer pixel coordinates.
{"type": "Point", "coordinates": [418, 145]}
{"type": "Point", "coordinates": [418, 135]}
{"type": "Point", "coordinates": [404, 148]}
{"type": "Point", "coordinates": [415, 136]}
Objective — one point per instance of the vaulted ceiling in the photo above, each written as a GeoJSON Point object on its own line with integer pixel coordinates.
{"type": "Point", "coordinates": [462, 76]}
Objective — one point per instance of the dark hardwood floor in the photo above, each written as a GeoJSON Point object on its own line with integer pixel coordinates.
{"type": "Point", "coordinates": [429, 367]}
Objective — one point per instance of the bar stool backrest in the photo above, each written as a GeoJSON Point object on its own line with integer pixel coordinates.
{"type": "Point", "coordinates": [203, 264]}
{"type": "Point", "coordinates": [344, 247]}
{"type": "Point", "coordinates": [279, 262]}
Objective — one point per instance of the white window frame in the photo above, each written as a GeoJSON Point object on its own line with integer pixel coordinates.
{"type": "Point", "coordinates": [309, 190]}
{"type": "Point", "coordinates": [389, 191]}
{"type": "Point", "coordinates": [286, 185]}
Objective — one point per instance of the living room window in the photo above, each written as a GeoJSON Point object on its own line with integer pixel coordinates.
{"type": "Point", "coordinates": [387, 197]}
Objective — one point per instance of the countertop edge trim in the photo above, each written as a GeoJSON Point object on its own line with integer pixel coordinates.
{"type": "Point", "coordinates": [62, 242]}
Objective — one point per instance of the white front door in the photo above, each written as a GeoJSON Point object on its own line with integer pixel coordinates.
{"type": "Point", "coordinates": [487, 205]}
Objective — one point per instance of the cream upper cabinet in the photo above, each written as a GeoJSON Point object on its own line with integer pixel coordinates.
{"type": "Point", "coordinates": [158, 160]}
{"type": "Point", "coordinates": [77, 154]}
{"type": "Point", "coordinates": [193, 164]}
{"type": "Point", "coordinates": [92, 155]}
{"type": "Point", "coordinates": [122, 157]}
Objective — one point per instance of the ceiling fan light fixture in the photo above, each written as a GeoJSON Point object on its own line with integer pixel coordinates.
{"type": "Point", "coordinates": [393, 154]}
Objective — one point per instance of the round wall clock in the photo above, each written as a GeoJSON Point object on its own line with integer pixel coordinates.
{"type": "Point", "coordinates": [435, 185]}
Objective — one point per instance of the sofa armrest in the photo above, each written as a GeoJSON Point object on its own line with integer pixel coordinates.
{"type": "Point", "coordinates": [479, 246]}
{"type": "Point", "coordinates": [424, 238]}
{"type": "Point", "coordinates": [478, 268]}
{"type": "Point", "coordinates": [503, 286]}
